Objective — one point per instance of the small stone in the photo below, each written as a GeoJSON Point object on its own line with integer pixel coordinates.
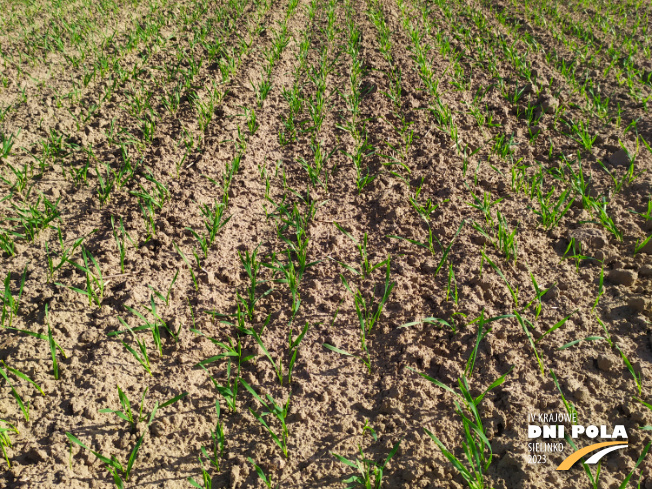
{"type": "Point", "coordinates": [410, 474]}
{"type": "Point", "coordinates": [589, 237]}
{"type": "Point", "coordinates": [88, 458]}
{"type": "Point", "coordinates": [36, 455]}
{"type": "Point", "coordinates": [549, 104]}
{"type": "Point", "coordinates": [645, 271]}
{"type": "Point", "coordinates": [89, 413]}
{"type": "Point", "coordinates": [582, 394]}
{"type": "Point", "coordinates": [620, 158]}
{"type": "Point", "coordinates": [647, 249]}
{"type": "Point", "coordinates": [600, 255]}
{"type": "Point", "coordinates": [278, 463]}
{"type": "Point", "coordinates": [622, 277]}
{"type": "Point", "coordinates": [639, 304]}
{"type": "Point", "coordinates": [529, 88]}
{"type": "Point", "coordinates": [234, 476]}
{"type": "Point", "coordinates": [553, 293]}
{"type": "Point", "coordinates": [157, 429]}
{"type": "Point", "coordinates": [605, 363]}
{"type": "Point", "coordinates": [480, 240]}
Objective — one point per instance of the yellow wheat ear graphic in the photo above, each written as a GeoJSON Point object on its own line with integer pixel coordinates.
{"type": "Point", "coordinates": [570, 461]}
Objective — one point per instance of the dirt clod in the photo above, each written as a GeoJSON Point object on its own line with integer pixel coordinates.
{"type": "Point", "coordinates": [622, 277]}
{"type": "Point", "coordinates": [620, 158]}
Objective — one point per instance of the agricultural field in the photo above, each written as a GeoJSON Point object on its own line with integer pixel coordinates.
{"type": "Point", "coordinates": [320, 243]}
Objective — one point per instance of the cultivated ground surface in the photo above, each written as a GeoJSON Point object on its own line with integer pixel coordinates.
{"type": "Point", "coordinates": [481, 164]}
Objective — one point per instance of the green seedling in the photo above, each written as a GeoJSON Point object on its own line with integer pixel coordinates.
{"type": "Point", "coordinates": [278, 411]}
{"type": "Point", "coordinates": [600, 208]}
{"type": "Point", "coordinates": [33, 220]}
{"type": "Point", "coordinates": [645, 215]}
{"type": "Point", "coordinates": [551, 211]}
{"type": "Point", "coordinates": [154, 326]}
{"type": "Point", "coordinates": [366, 360]}
{"type": "Point", "coordinates": [112, 464]}
{"type": "Point", "coordinates": [643, 243]}
{"type": "Point", "coordinates": [362, 151]}
{"type": "Point", "coordinates": [513, 290]}
{"type": "Point", "coordinates": [432, 320]}
{"type": "Point", "coordinates": [11, 304]}
{"type": "Point", "coordinates": [483, 331]}
{"type": "Point", "coordinates": [49, 338]}
{"type": "Point", "coordinates": [252, 268]}
{"type": "Point", "coordinates": [526, 325]}
{"type": "Point", "coordinates": [367, 313]}
{"type": "Point", "coordinates": [556, 326]}
{"type": "Point", "coordinates": [135, 418]}
{"type": "Point", "coordinates": [580, 134]}
{"type": "Point", "coordinates": [484, 205]}
{"type": "Point", "coordinates": [595, 480]}
{"type": "Point", "coordinates": [503, 239]}
{"type": "Point", "coordinates": [252, 123]}
{"type": "Point", "coordinates": [625, 482]}
{"type": "Point", "coordinates": [165, 298]}
{"type": "Point", "coordinates": [7, 243]}
{"type": "Point", "coordinates": [119, 236]}
{"type": "Point", "coordinates": [575, 247]}
{"type": "Point", "coordinates": [451, 284]}
{"type": "Point", "coordinates": [126, 412]}
{"type": "Point", "coordinates": [206, 478]}
{"type": "Point", "coordinates": [600, 287]}
{"type": "Point", "coordinates": [233, 354]}
{"type": "Point", "coordinates": [366, 268]}
{"type": "Point", "coordinates": [95, 284]}
{"type": "Point", "coordinates": [6, 142]}
{"type": "Point", "coordinates": [429, 245]}
{"type": "Point", "coordinates": [185, 260]}
{"type": "Point", "coordinates": [538, 295]}
{"type": "Point", "coordinates": [219, 444]}
{"type": "Point", "coordinates": [476, 446]}
{"type": "Point", "coordinates": [21, 178]}
{"type": "Point", "coordinates": [293, 349]}
{"type": "Point", "coordinates": [53, 346]}
{"type": "Point", "coordinates": [66, 253]}
{"type": "Point", "coordinates": [156, 198]}
{"type": "Point", "coordinates": [141, 357]}
{"type": "Point", "coordinates": [427, 209]}
{"type": "Point", "coordinates": [5, 370]}
{"type": "Point", "coordinates": [5, 442]}
{"type": "Point", "coordinates": [504, 147]}
{"type": "Point", "coordinates": [105, 187]}
{"type": "Point", "coordinates": [626, 179]}
{"type": "Point", "coordinates": [570, 408]}
{"type": "Point", "coordinates": [128, 169]}
{"type": "Point", "coordinates": [262, 90]}
{"type": "Point", "coordinates": [368, 473]}
{"type": "Point", "coordinates": [636, 375]}
{"type": "Point", "coordinates": [214, 220]}
{"type": "Point", "coordinates": [292, 279]}
{"type": "Point", "coordinates": [320, 158]}
{"type": "Point", "coordinates": [261, 474]}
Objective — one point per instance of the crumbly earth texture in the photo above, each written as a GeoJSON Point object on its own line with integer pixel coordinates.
{"type": "Point", "coordinates": [457, 189]}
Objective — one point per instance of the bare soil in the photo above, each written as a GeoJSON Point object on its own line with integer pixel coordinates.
{"type": "Point", "coordinates": [331, 395]}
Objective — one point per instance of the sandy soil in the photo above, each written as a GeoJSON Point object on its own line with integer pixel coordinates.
{"type": "Point", "coordinates": [143, 51]}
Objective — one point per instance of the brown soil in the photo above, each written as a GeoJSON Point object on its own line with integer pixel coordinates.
{"type": "Point", "coordinates": [331, 395]}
